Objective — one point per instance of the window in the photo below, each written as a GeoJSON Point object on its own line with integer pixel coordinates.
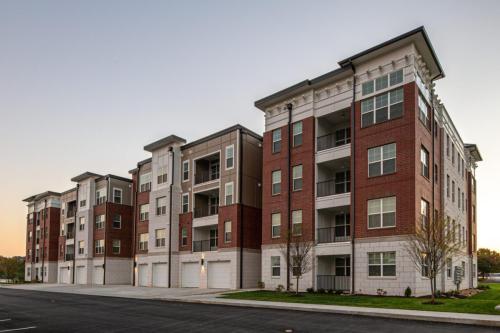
{"type": "Point", "coordinates": [117, 221]}
{"type": "Point", "coordinates": [184, 236]}
{"type": "Point", "coordinates": [161, 206]}
{"type": "Point", "coordinates": [463, 202]}
{"type": "Point", "coordinates": [453, 191]}
{"type": "Point", "coordinates": [277, 140]}
{"type": "Point", "coordinates": [436, 173]}
{"type": "Point", "coordinates": [382, 264]}
{"type": "Point", "coordinates": [452, 153]}
{"type": "Point", "coordinates": [382, 82]}
{"type": "Point", "coordinates": [368, 87]}
{"type": "Point", "coordinates": [83, 203]}
{"type": "Point", "coordinates": [449, 265]}
{"type": "Point", "coordinates": [144, 212]}
{"type": "Point", "coordinates": [297, 177]}
{"type": "Point", "coordinates": [145, 182]}
{"type": "Point", "coordinates": [160, 235]}
{"type": "Point", "coordinates": [276, 182]}
{"type": "Point", "coordinates": [382, 213]}
{"type": "Point", "coordinates": [458, 197]}
{"type": "Point", "coordinates": [383, 107]}
{"type": "Point", "coordinates": [342, 182]}
{"type": "Point", "coordinates": [99, 221]}
{"type": "Point", "coordinates": [117, 195]}
{"type": "Point", "coordinates": [81, 247]}
{"type": "Point", "coordinates": [275, 266]}
{"type": "Point", "coordinates": [143, 241]}
{"type": "Point", "coordinates": [425, 265]}
{"type": "Point", "coordinates": [228, 191]}
{"type": "Point", "coordinates": [275, 225]}
{"type": "Point", "coordinates": [448, 186]}
{"type": "Point", "coordinates": [185, 171]}
{"type": "Point", "coordinates": [185, 203]}
{"type": "Point", "coordinates": [227, 231]}
{"type": "Point", "coordinates": [424, 162]}
{"type": "Point", "coordinates": [297, 222]}
{"type": "Point", "coordinates": [447, 145]}
{"type": "Point", "coordinates": [424, 212]}
{"type": "Point", "coordinates": [116, 246]}
{"type": "Point", "coordinates": [342, 266]}
{"type": "Point", "coordinates": [342, 136]}
{"type": "Point", "coordinates": [297, 134]}
{"type": "Point", "coordinates": [30, 236]}
{"type": "Point", "coordinates": [382, 160]}
{"type": "Point", "coordinates": [423, 114]}
{"type": "Point", "coordinates": [229, 157]}
{"type": "Point", "coordinates": [100, 196]}
{"type": "Point", "coordinates": [421, 86]}
{"type": "Point", "coordinates": [99, 246]}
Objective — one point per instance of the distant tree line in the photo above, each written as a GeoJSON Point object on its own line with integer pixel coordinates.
{"type": "Point", "coordinates": [12, 268]}
{"type": "Point", "coordinates": [488, 261]}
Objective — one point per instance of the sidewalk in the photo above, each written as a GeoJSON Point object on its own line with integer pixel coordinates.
{"type": "Point", "coordinates": [212, 296]}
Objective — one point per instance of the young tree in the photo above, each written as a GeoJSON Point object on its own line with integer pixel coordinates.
{"type": "Point", "coordinates": [488, 261]}
{"type": "Point", "coordinates": [300, 258]}
{"type": "Point", "coordinates": [429, 247]}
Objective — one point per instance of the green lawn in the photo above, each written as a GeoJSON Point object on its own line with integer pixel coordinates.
{"type": "Point", "coordinates": [483, 303]}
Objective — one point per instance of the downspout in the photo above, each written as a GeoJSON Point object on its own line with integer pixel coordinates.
{"type": "Point", "coordinates": [431, 167]}
{"type": "Point", "coordinates": [171, 150]}
{"type": "Point", "coordinates": [74, 236]}
{"type": "Point", "coordinates": [289, 107]}
{"type": "Point", "coordinates": [43, 244]}
{"type": "Point", "coordinates": [353, 175]}
{"type": "Point", "coordinates": [240, 199]}
{"type": "Point", "coordinates": [134, 221]}
{"type": "Point", "coordinates": [106, 220]}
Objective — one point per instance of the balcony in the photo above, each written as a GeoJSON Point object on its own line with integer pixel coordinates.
{"type": "Point", "coordinates": [333, 136]}
{"type": "Point", "coordinates": [69, 257]}
{"type": "Point", "coordinates": [333, 225]}
{"type": "Point", "coordinates": [331, 235]}
{"type": "Point", "coordinates": [207, 169]}
{"type": "Point", "coordinates": [339, 138]}
{"type": "Point", "coordinates": [206, 203]}
{"type": "Point", "coordinates": [333, 185]}
{"type": "Point", "coordinates": [205, 238]}
{"type": "Point", "coordinates": [334, 272]}
{"type": "Point", "coordinates": [205, 245]}
{"type": "Point", "coordinates": [333, 282]}
{"type": "Point", "coordinates": [338, 185]}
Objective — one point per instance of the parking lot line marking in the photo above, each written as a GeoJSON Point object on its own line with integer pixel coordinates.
{"type": "Point", "coordinates": [18, 329]}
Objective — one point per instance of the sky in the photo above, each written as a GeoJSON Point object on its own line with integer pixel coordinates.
{"type": "Point", "coordinates": [84, 85]}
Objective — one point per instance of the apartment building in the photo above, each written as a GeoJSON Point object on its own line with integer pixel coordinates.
{"type": "Point", "coordinates": [42, 237]}
{"type": "Point", "coordinates": [353, 160]}
{"type": "Point", "coordinates": [198, 211]}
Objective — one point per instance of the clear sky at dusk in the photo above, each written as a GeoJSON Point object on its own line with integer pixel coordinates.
{"type": "Point", "coordinates": [84, 85]}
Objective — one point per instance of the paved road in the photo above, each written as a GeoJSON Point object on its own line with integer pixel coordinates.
{"type": "Point", "coordinates": [54, 312]}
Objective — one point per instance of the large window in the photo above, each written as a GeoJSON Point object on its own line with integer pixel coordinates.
{"type": "Point", "coordinates": [297, 177]}
{"type": "Point", "coordinates": [185, 170]}
{"type": "Point", "coordinates": [117, 221]}
{"type": "Point", "coordinates": [229, 157]}
{"type": "Point", "coordinates": [100, 196]}
{"type": "Point", "coordinates": [382, 213]}
{"type": "Point", "coordinates": [277, 140]}
{"type": "Point", "coordinates": [161, 206]}
{"type": "Point", "coordinates": [382, 160]}
{"type": "Point", "coordinates": [276, 182]}
{"type": "Point", "coordinates": [185, 203]}
{"type": "Point", "coordinates": [297, 133]}
{"type": "Point", "coordinates": [342, 266]}
{"type": "Point", "coordinates": [342, 225]}
{"type": "Point", "coordinates": [423, 114]}
{"type": "Point", "coordinates": [117, 195]}
{"type": "Point", "coordinates": [297, 222]}
{"type": "Point", "coordinates": [342, 136]}
{"type": "Point", "coordinates": [99, 246]}
{"type": "Point", "coordinates": [382, 82]}
{"type": "Point", "coordinates": [424, 212]}
{"type": "Point", "coordinates": [143, 241]}
{"type": "Point", "coordinates": [160, 235]}
{"type": "Point", "coordinates": [382, 108]}
{"type": "Point", "coordinates": [382, 264]}
{"type": "Point", "coordinates": [116, 246]}
{"type": "Point", "coordinates": [99, 221]}
{"type": "Point", "coordinates": [275, 225]}
{"type": "Point", "coordinates": [275, 266]}
{"type": "Point", "coordinates": [144, 212]}
{"type": "Point", "coordinates": [145, 182]}
{"type": "Point", "coordinates": [227, 231]}
{"type": "Point", "coordinates": [424, 162]}
{"type": "Point", "coordinates": [228, 192]}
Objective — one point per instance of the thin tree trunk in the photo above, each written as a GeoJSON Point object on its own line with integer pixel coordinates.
{"type": "Point", "coordinates": [297, 292]}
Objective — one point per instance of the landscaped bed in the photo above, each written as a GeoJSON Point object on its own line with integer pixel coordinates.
{"type": "Point", "coordinates": [482, 303]}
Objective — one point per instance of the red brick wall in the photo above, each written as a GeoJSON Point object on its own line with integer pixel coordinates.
{"type": "Point", "coordinates": [124, 234]}
{"type": "Point", "coordinates": [304, 199]}
{"type": "Point", "coordinates": [141, 226]}
{"type": "Point", "coordinates": [51, 243]}
{"type": "Point", "coordinates": [30, 244]}
{"type": "Point", "coordinates": [186, 221]}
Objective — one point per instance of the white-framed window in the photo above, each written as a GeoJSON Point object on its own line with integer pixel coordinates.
{"type": "Point", "coordinates": [381, 108]}
{"type": "Point", "coordinates": [423, 114]}
{"type": "Point", "coordinates": [143, 241]}
{"type": "Point", "coordinates": [116, 246]}
{"type": "Point", "coordinates": [185, 171]}
{"type": "Point", "coordinates": [228, 193]}
{"type": "Point", "coordinates": [185, 203]}
{"type": "Point", "coordinates": [227, 231]}
{"type": "Point", "coordinates": [117, 221]}
{"type": "Point", "coordinates": [117, 195]}
{"type": "Point", "coordinates": [99, 221]}
{"type": "Point", "coordinates": [229, 157]}
{"type": "Point", "coordinates": [382, 82]}
{"type": "Point", "coordinates": [100, 196]}
{"type": "Point", "coordinates": [275, 266]}
{"type": "Point", "coordinates": [28, 271]}
{"type": "Point", "coordinates": [83, 203]}
{"type": "Point", "coordinates": [99, 246]}
{"type": "Point", "coordinates": [458, 197]}
{"type": "Point", "coordinates": [184, 236]}
{"type": "Point", "coordinates": [161, 206]}
{"type": "Point", "coordinates": [425, 265]}
{"type": "Point", "coordinates": [424, 162]}
{"type": "Point", "coordinates": [424, 212]}
{"type": "Point", "coordinates": [382, 160]}
{"type": "Point", "coordinates": [297, 133]}
{"type": "Point", "coordinates": [448, 186]}
{"type": "Point", "coordinates": [276, 182]}
{"type": "Point", "coordinates": [297, 222]}
{"type": "Point", "coordinates": [276, 140]}
{"type": "Point", "coordinates": [145, 182]}
{"type": "Point", "coordinates": [449, 267]}
{"type": "Point", "coordinates": [275, 225]}
{"type": "Point", "coordinates": [144, 212]}
{"type": "Point", "coordinates": [297, 177]}
{"type": "Point", "coordinates": [382, 264]}
{"type": "Point", "coordinates": [81, 247]}
{"type": "Point", "coordinates": [382, 213]}
{"type": "Point", "coordinates": [452, 191]}
{"type": "Point", "coordinates": [160, 236]}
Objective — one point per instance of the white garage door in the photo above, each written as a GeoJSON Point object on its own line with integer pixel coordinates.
{"type": "Point", "coordinates": [64, 273]}
{"type": "Point", "coordinates": [80, 275]}
{"type": "Point", "coordinates": [160, 274]}
{"type": "Point", "coordinates": [219, 274]}
{"type": "Point", "coordinates": [98, 275]}
{"type": "Point", "coordinates": [142, 278]}
{"type": "Point", "coordinates": [190, 275]}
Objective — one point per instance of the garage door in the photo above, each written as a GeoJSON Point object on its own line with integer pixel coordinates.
{"type": "Point", "coordinates": [64, 275]}
{"type": "Point", "coordinates": [190, 275]}
{"type": "Point", "coordinates": [142, 278]}
{"type": "Point", "coordinates": [219, 274]}
{"type": "Point", "coordinates": [80, 275]}
{"type": "Point", "coordinates": [160, 275]}
{"type": "Point", "coordinates": [98, 275]}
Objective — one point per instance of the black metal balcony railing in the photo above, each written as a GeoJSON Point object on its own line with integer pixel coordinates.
{"type": "Point", "coordinates": [328, 235]}
{"type": "Point", "coordinates": [69, 256]}
{"type": "Point", "coordinates": [331, 187]}
{"type": "Point", "coordinates": [70, 235]}
{"type": "Point", "coordinates": [331, 140]}
{"type": "Point", "coordinates": [206, 211]}
{"type": "Point", "coordinates": [205, 245]}
{"type": "Point", "coordinates": [71, 213]}
{"type": "Point", "coordinates": [203, 177]}
{"type": "Point", "coordinates": [333, 282]}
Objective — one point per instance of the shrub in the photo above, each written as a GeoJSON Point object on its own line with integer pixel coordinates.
{"type": "Point", "coordinates": [339, 292]}
{"type": "Point", "coordinates": [321, 291]}
{"type": "Point", "coordinates": [261, 285]}
{"type": "Point", "coordinates": [408, 292]}
{"type": "Point", "coordinates": [310, 290]}
{"type": "Point", "coordinates": [381, 292]}
{"type": "Point", "coordinates": [483, 287]}
{"type": "Point", "coordinates": [438, 293]}
{"type": "Point", "coordinates": [331, 291]}
{"type": "Point", "coordinates": [280, 288]}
